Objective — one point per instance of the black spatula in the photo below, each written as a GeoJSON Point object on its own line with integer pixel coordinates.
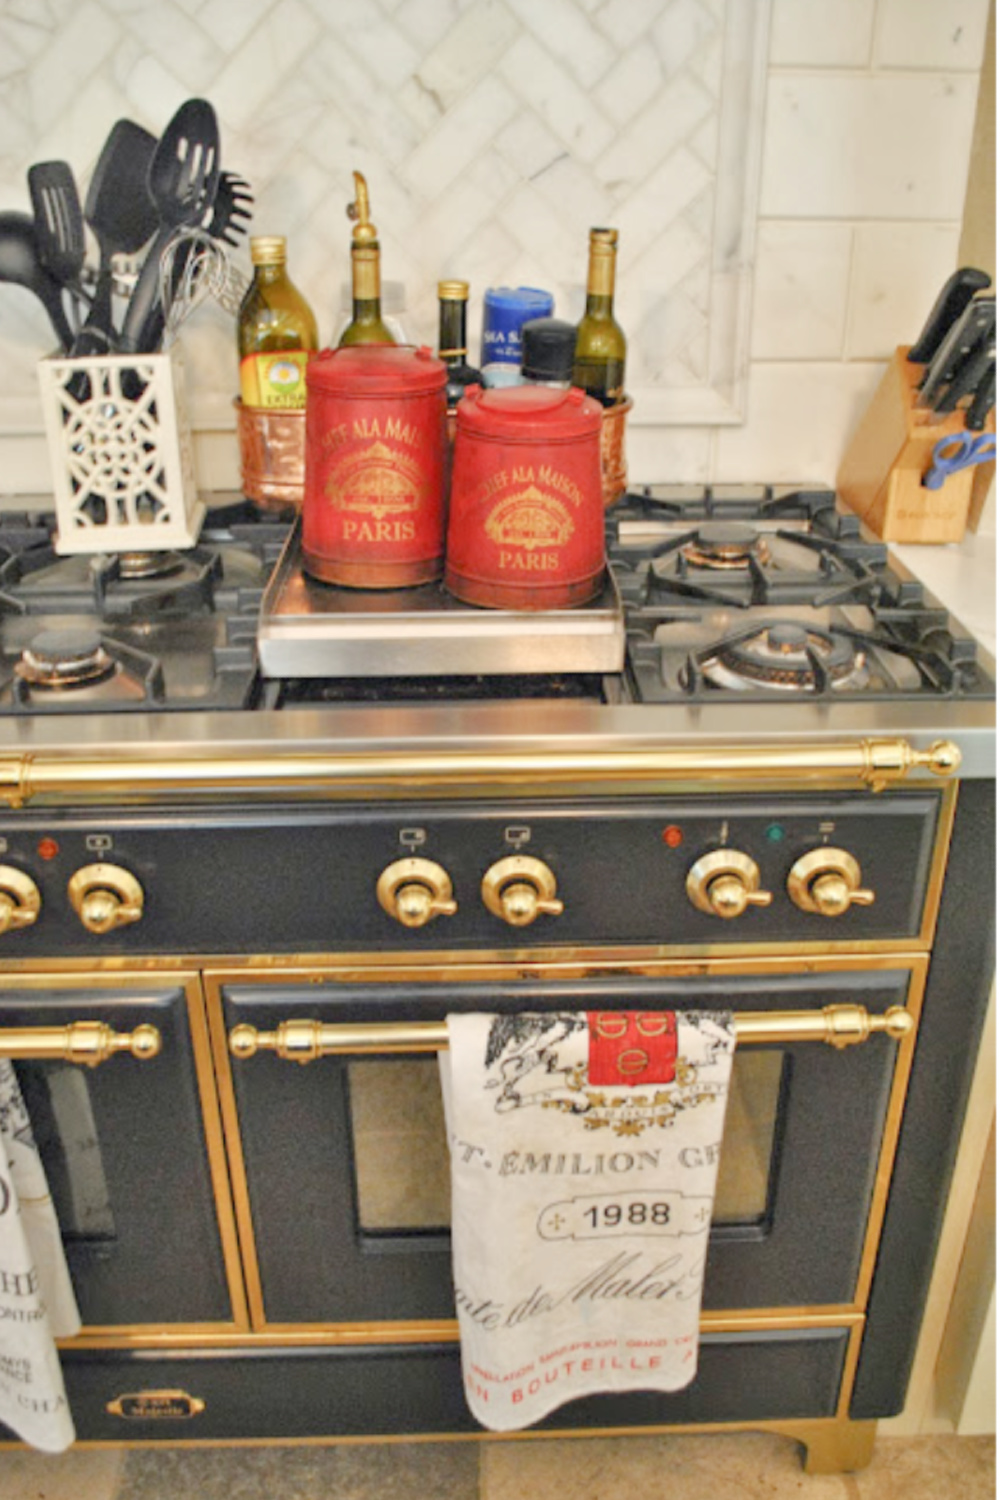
{"type": "Point", "coordinates": [120, 211]}
{"type": "Point", "coordinates": [58, 221]}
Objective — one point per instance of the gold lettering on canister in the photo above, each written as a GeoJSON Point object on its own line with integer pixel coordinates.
{"type": "Point", "coordinates": [375, 482]}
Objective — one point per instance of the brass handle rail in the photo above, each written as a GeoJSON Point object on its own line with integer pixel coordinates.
{"type": "Point", "coordinates": [873, 763]}
{"type": "Point", "coordinates": [305, 1041]}
{"type": "Point", "coordinates": [87, 1042]}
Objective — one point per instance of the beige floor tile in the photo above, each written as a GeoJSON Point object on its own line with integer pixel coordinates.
{"type": "Point", "coordinates": [738, 1466]}
{"type": "Point", "coordinates": [368, 1471]}
{"type": "Point", "coordinates": [66, 1476]}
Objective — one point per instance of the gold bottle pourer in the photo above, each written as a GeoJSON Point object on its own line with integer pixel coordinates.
{"type": "Point", "coordinates": [364, 232]}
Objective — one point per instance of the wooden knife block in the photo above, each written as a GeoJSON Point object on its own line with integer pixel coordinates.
{"type": "Point", "coordinates": [881, 472]}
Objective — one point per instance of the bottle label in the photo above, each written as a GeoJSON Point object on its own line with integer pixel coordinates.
{"type": "Point", "coordinates": [276, 379]}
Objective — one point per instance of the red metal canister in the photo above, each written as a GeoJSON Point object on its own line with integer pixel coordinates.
{"type": "Point", "coordinates": [526, 529]}
{"type": "Point", "coordinates": [373, 511]}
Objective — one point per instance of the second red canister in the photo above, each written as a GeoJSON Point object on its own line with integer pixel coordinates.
{"type": "Point", "coordinates": [373, 511]}
{"type": "Point", "coordinates": [526, 525]}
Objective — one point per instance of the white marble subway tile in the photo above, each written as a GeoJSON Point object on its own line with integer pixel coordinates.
{"type": "Point", "coordinates": [676, 112]}
{"type": "Point", "coordinates": [381, 131]}
{"type": "Point", "coordinates": [624, 21]}
{"type": "Point", "coordinates": [800, 294]}
{"type": "Point", "coordinates": [426, 21]}
{"type": "Point", "coordinates": [469, 50]}
{"type": "Point", "coordinates": [528, 145]}
{"type": "Point", "coordinates": [800, 418]}
{"type": "Point", "coordinates": [78, 135]}
{"type": "Point", "coordinates": [230, 22]}
{"type": "Point", "coordinates": [567, 33]}
{"type": "Point", "coordinates": [74, 52]}
{"type": "Point", "coordinates": [816, 33]}
{"type": "Point", "coordinates": [549, 89]}
{"type": "Point", "coordinates": [180, 43]}
{"type": "Point", "coordinates": [875, 146]}
{"type": "Point", "coordinates": [25, 32]}
{"type": "Point", "coordinates": [898, 272]}
{"type": "Point", "coordinates": [667, 455]}
{"type": "Point", "coordinates": [265, 62]}
{"type": "Point", "coordinates": [466, 130]}
{"type": "Point", "coordinates": [367, 33]}
{"type": "Point", "coordinates": [630, 84]}
{"type": "Point", "coordinates": [680, 33]}
{"type": "Point", "coordinates": [654, 206]}
{"type": "Point", "coordinates": [153, 92]}
{"type": "Point", "coordinates": [927, 34]}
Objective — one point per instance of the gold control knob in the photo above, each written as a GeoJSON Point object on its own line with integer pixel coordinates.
{"type": "Point", "coordinates": [414, 891]}
{"type": "Point", "coordinates": [827, 882]}
{"type": "Point", "coordinates": [20, 899]}
{"type": "Point", "coordinates": [724, 883]}
{"type": "Point", "coordinates": [519, 889]}
{"type": "Point", "coordinates": [105, 897]}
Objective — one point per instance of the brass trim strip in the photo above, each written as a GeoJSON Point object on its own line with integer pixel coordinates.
{"type": "Point", "coordinates": [304, 1041]}
{"type": "Point", "coordinates": [874, 763]}
{"type": "Point", "coordinates": [443, 1331]}
{"type": "Point", "coordinates": [86, 1042]}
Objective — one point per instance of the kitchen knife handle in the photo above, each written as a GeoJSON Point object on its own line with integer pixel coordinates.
{"type": "Point", "coordinates": [976, 324]}
{"type": "Point", "coordinates": [956, 294]}
{"type": "Point", "coordinates": [982, 402]}
{"type": "Point", "coordinates": [968, 375]}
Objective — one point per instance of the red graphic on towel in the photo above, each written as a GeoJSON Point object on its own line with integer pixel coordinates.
{"type": "Point", "coordinates": [632, 1047]}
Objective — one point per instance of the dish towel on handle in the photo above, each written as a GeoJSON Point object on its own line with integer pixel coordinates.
{"type": "Point", "coordinates": [37, 1303]}
{"type": "Point", "coordinates": [584, 1151]}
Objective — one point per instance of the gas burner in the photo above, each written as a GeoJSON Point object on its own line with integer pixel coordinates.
{"type": "Point", "coordinates": [63, 659]}
{"type": "Point", "coordinates": [787, 657]}
{"type": "Point", "coordinates": [143, 565]}
{"type": "Point", "coordinates": [725, 545]}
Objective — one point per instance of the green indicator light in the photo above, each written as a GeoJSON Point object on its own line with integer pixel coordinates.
{"type": "Point", "coordinates": [775, 833]}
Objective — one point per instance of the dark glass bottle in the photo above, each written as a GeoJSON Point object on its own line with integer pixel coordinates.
{"type": "Point", "coordinates": [366, 325]}
{"type": "Point", "coordinates": [599, 363]}
{"type": "Point", "coordinates": [453, 346]}
{"type": "Point", "coordinates": [276, 331]}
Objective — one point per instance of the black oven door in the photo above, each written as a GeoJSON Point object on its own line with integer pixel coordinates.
{"type": "Point", "coordinates": [127, 1155]}
{"type": "Point", "coordinates": [341, 1170]}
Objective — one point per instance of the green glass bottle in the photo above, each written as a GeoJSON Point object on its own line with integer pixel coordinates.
{"type": "Point", "coordinates": [366, 325]}
{"type": "Point", "coordinates": [276, 331]}
{"type": "Point", "coordinates": [453, 344]}
{"type": "Point", "coordinates": [599, 362]}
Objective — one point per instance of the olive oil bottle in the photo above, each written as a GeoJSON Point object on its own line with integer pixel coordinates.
{"type": "Point", "coordinates": [599, 361]}
{"type": "Point", "coordinates": [366, 325]}
{"type": "Point", "coordinates": [276, 331]}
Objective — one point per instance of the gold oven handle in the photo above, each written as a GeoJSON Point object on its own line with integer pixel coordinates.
{"type": "Point", "coordinates": [304, 1041]}
{"type": "Point", "coordinates": [88, 1042]}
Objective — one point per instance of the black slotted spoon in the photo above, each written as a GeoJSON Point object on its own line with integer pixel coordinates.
{"type": "Point", "coordinates": [183, 180]}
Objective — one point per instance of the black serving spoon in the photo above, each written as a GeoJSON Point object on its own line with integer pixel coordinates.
{"type": "Point", "coordinates": [119, 211]}
{"type": "Point", "coordinates": [183, 180]}
{"type": "Point", "coordinates": [21, 265]}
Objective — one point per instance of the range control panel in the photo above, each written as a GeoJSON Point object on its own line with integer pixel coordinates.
{"type": "Point", "coordinates": [841, 868]}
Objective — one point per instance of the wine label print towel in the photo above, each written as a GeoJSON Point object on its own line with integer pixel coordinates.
{"type": "Point", "coordinates": [581, 1211]}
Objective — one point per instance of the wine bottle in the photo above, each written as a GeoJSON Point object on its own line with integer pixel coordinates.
{"type": "Point", "coordinates": [453, 347]}
{"type": "Point", "coordinates": [276, 331]}
{"type": "Point", "coordinates": [599, 362]}
{"type": "Point", "coordinates": [366, 325]}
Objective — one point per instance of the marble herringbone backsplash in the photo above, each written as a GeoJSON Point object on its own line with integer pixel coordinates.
{"type": "Point", "coordinates": [749, 152]}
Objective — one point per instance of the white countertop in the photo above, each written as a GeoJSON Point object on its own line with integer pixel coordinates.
{"type": "Point", "coordinates": [963, 575]}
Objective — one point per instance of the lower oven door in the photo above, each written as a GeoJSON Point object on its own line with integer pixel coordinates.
{"type": "Point", "coordinates": [132, 1151]}
{"type": "Point", "coordinates": [341, 1167]}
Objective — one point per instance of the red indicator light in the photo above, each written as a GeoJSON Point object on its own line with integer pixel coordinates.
{"type": "Point", "coordinates": [673, 836]}
{"type": "Point", "coordinates": [47, 848]}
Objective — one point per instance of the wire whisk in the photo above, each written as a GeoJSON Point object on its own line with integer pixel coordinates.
{"type": "Point", "coordinates": [193, 268]}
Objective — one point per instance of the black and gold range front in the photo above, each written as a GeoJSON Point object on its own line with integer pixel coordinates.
{"type": "Point", "coordinates": [256, 1208]}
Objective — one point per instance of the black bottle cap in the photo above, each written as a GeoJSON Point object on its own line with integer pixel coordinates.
{"type": "Point", "coordinates": [547, 349]}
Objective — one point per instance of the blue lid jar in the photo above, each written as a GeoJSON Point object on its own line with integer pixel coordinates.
{"type": "Point", "coordinates": [505, 309]}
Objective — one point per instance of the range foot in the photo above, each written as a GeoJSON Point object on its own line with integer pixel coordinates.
{"type": "Point", "coordinates": [834, 1445]}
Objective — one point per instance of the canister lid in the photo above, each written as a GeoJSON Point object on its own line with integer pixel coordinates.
{"type": "Point", "coordinates": [376, 369]}
{"type": "Point", "coordinates": [528, 411]}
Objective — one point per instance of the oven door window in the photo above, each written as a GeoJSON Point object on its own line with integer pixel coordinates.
{"type": "Point", "coordinates": [400, 1151]}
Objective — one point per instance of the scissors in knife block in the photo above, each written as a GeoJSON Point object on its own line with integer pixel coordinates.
{"type": "Point", "coordinates": [957, 452]}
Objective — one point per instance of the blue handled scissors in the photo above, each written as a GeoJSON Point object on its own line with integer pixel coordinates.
{"type": "Point", "coordinates": [958, 452]}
